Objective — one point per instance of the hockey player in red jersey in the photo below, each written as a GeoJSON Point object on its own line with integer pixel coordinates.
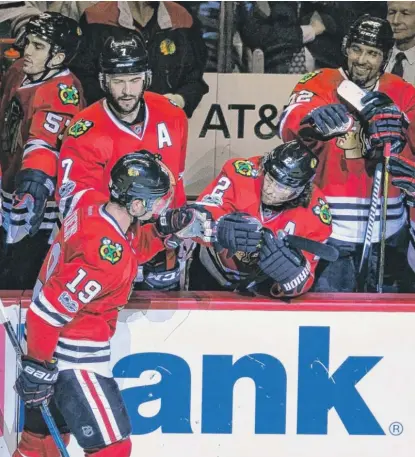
{"type": "Point", "coordinates": [348, 157]}
{"type": "Point", "coordinates": [39, 98]}
{"type": "Point", "coordinates": [86, 280]}
{"type": "Point", "coordinates": [129, 118]}
{"type": "Point", "coordinates": [254, 202]}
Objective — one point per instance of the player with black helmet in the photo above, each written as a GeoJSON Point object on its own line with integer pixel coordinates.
{"type": "Point", "coordinates": [39, 98]}
{"type": "Point", "coordinates": [349, 144]}
{"type": "Point", "coordinates": [84, 282]}
{"type": "Point", "coordinates": [255, 203]}
{"type": "Point", "coordinates": [129, 118]}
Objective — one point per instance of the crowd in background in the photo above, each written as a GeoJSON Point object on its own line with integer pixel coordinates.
{"type": "Point", "coordinates": [270, 37]}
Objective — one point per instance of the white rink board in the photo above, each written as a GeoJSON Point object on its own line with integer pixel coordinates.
{"type": "Point", "coordinates": [386, 389]}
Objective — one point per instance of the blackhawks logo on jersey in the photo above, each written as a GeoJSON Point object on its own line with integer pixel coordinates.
{"type": "Point", "coordinates": [322, 210]}
{"type": "Point", "coordinates": [79, 128]}
{"type": "Point", "coordinates": [245, 168]}
{"type": "Point", "coordinates": [110, 251]}
{"type": "Point", "coordinates": [68, 95]}
{"type": "Point", "coordinates": [308, 76]}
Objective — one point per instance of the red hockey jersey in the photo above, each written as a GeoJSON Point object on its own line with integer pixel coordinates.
{"type": "Point", "coordinates": [238, 188]}
{"type": "Point", "coordinates": [33, 118]}
{"type": "Point", "coordinates": [96, 140]}
{"type": "Point", "coordinates": [343, 175]}
{"type": "Point", "coordinates": [85, 281]}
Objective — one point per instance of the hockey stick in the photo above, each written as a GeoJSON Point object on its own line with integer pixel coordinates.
{"type": "Point", "coordinates": [324, 251]}
{"type": "Point", "coordinates": [383, 217]}
{"type": "Point", "coordinates": [367, 244]}
{"type": "Point", "coordinates": [47, 416]}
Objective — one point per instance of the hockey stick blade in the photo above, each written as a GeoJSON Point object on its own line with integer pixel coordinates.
{"type": "Point", "coordinates": [324, 251]}
{"type": "Point", "coordinates": [352, 94]}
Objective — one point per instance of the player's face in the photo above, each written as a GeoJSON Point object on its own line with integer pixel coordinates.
{"type": "Point", "coordinates": [275, 194]}
{"type": "Point", "coordinates": [138, 209]}
{"type": "Point", "coordinates": [401, 16]}
{"type": "Point", "coordinates": [125, 91]}
{"type": "Point", "coordinates": [364, 64]}
{"type": "Point", "coordinates": [36, 53]}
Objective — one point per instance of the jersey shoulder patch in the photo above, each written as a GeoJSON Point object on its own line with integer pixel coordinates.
{"type": "Point", "coordinates": [322, 210]}
{"type": "Point", "coordinates": [245, 168]}
{"type": "Point", "coordinates": [309, 76]}
{"type": "Point", "coordinates": [110, 251]}
{"type": "Point", "coordinates": [80, 128]}
{"type": "Point", "coordinates": [68, 94]}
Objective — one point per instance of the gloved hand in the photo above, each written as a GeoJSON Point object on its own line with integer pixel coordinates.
{"type": "Point", "coordinates": [374, 104]}
{"type": "Point", "coordinates": [174, 220]}
{"type": "Point", "coordinates": [403, 172]}
{"type": "Point", "coordinates": [36, 381]}
{"type": "Point", "coordinates": [326, 122]}
{"type": "Point", "coordinates": [238, 232]}
{"type": "Point", "coordinates": [189, 221]}
{"type": "Point", "coordinates": [385, 124]}
{"type": "Point", "coordinates": [287, 266]}
{"type": "Point", "coordinates": [33, 187]}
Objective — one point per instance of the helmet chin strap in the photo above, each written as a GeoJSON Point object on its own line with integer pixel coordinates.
{"type": "Point", "coordinates": [47, 67]}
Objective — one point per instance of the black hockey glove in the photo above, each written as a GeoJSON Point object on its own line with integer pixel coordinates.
{"type": "Point", "coordinates": [191, 221]}
{"type": "Point", "coordinates": [238, 232]}
{"type": "Point", "coordinates": [403, 172]}
{"type": "Point", "coordinates": [287, 266]}
{"type": "Point", "coordinates": [174, 220]}
{"type": "Point", "coordinates": [374, 104]}
{"type": "Point", "coordinates": [326, 122]}
{"type": "Point", "coordinates": [36, 381]}
{"type": "Point", "coordinates": [33, 187]}
{"type": "Point", "coordinates": [385, 124]}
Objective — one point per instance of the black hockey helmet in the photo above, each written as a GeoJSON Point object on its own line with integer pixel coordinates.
{"type": "Point", "coordinates": [291, 164]}
{"type": "Point", "coordinates": [61, 32]}
{"type": "Point", "coordinates": [139, 175]}
{"type": "Point", "coordinates": [126, 54]}
{"type": "Point", "coordinates": [371, 31]}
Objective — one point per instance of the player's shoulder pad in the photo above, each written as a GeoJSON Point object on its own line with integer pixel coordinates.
{"type": "Point", "coordinates": [396, 87]}
{"type": "Point", "coordinates": [247, 167]}
{"type": "Point", "coordinates": [101, 246]}
{"type": "Point", "coordinates": [319, 206]}
{"type": "Point", "coordinates": [60, 93]}
{"type": "Point", "coordinates": [319, 78]}
{"type": "Point", "coordinates": [164, 105]}
{"type": "Point", "coordinates": [84, 121]}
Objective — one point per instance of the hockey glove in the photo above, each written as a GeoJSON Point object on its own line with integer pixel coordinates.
{"type": "Point", "coordinates": [326, 122]}
{"type": "Point", "coordinates": [287, 266]}
{"type": "Point", "coordinates": [33, 187]}
{"type": "Point", "coordinates": [191, 221]}
{"type": "Point", "coordinates": [403, 171]}
{"type": "Point", "coordinates": [238, 232]}
{"type": "Point", "coordinates": [35, 383]}
{"type": "Point", "coordinates": [374, 104]}
{"type": "Point", "coordinates": [389, 127]}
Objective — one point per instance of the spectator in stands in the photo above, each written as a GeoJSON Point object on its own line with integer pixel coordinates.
{"type": "Point", "coordinates": [401, 16]}
{"type": "Point", "coordinates": [18, 14]}
{"type": "Point", "coordinates": [297, 37]}
{"type": "Point", "coordinates": [175, 47]}
{"type": "Point", "coordinates": [208, 14]}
